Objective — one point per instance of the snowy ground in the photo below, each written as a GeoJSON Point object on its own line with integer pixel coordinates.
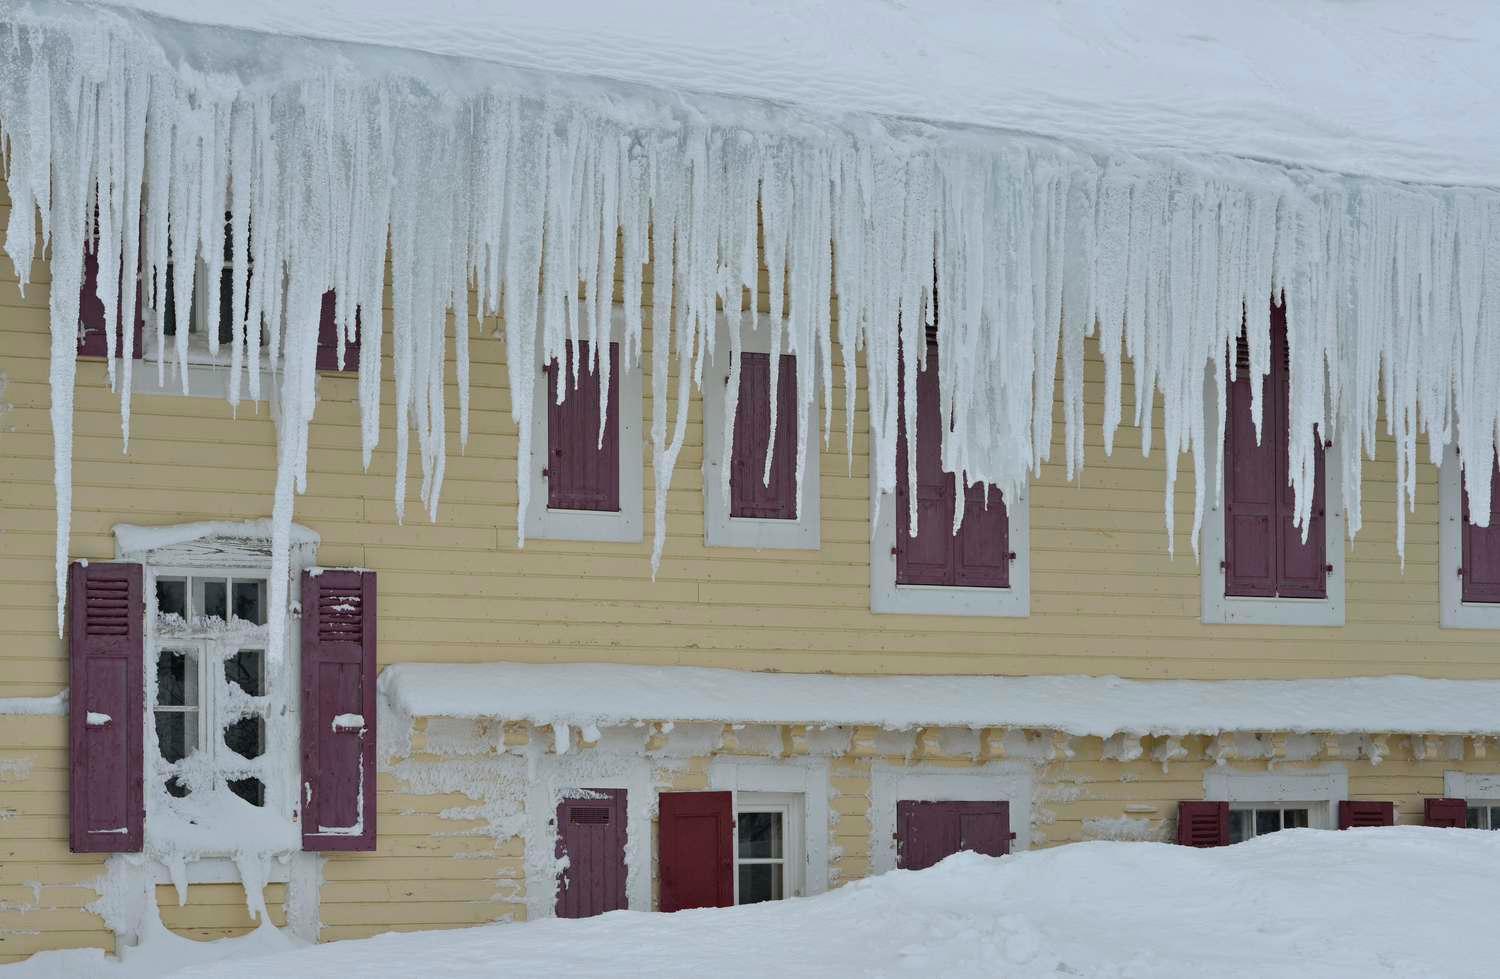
{"type": "Point", "coordinates": [1404, 902]}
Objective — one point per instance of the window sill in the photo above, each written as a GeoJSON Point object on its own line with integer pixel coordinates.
{"type": "Point", "coordinates": [220, 870]}
{"type": "Point", "coordinates": [1232, 610]}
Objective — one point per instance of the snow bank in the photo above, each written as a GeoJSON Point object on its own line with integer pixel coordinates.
{"type": "Point", "coordinates": [56, 705]}
{"type": "Point", "coordinates": [516, 182]}
{"type": "Point", "coordinates": [579, 694]}
{"type": "Point", "coordinates": [1298, 903]}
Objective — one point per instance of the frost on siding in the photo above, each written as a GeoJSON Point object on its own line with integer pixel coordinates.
{"type": "Point", "coordinates": [329, 157]}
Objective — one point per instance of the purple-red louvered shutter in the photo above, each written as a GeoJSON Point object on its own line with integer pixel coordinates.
{"type": "Point", "coordinates": [107, 694]}
{"type": "Point", "coordinates": [1357, 814]}
{"type": "Point", "coordinates": [927, 832]}
{"type": "Point", "coordinates": [695, 839]}
{"type": "Point", "coordinates": [93, 338]}
{"type": "Point", "coordinates": [338, 710]}
{"type": "Point", "coordinates": [582, 474]}
{"type": "Point", "coordinates": [1448, 813]}
{"type": "Point", "coordinates": [1203, 823]}
{"type": "Point", "coordinates": [1480, 564]}
{"type": "Point", "coordinates": [330, 339]}
{"type": "Point", "coordinates": [981, 549]}
{"type": "Point", "coordinates": [591, 838]}
{"type": "Point", "coordinates": [749, 496]}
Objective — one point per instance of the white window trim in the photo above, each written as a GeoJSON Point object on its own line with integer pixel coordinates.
{"type": "Point", "coordinates": [1456, 613]}
{"type": "Point", "coordinates": [1221, 609]}
{"type": "Point", "coordinates": [803, 778]}
{"type": "Point", "coordinates": [886, 596]}
{"type": "Point", "coordinates": [793, 863]}
{"type": "Point", "coordinates": [1009, 782]}
{"type": "Point", "coordinates": [1320, 790]}
{"type": "Point", "coordinates": [627, 526]}
{"type": "Point", "coordinates": [1472, 787]}
{"type": "Point", "coordinates": [222, 553]}
{"type": "Point", "coordinates": [719, 528]}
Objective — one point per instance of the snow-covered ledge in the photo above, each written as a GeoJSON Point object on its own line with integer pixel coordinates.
{"type": "Point", "coordinates": [209, 542]}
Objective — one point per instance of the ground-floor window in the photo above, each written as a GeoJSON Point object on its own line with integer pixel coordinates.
{"type": "Point", "coordinates": [1483, 815]}
{"type": "Point", "coordinates": [767, 833]}
{"type": "Point", "coordinates": [1250, 820]}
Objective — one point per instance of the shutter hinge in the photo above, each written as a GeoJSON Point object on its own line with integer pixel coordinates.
{"type": "Point", "coordinates": [544, 472]}
{"type": "Point", "coordinates": [1328, 444]}
{"type": "Point", "coordinates": [1328, 567]}
{"type": "Point", "coordinates": [893, 552]}
{"type": "Point", "coordinates": [1223, 565]}
{"type": "Point", "coordinates": [1011, 556]}
{"type": "Point", "coordinates": [1460, 572]}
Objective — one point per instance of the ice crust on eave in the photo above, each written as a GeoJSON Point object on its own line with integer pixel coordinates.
{"type": "Point", "coordinates": [579, 694]}
{"type": "Point", "coordinates": [327, 157]}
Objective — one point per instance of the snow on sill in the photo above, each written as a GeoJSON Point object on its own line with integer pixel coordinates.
{"type": "Point", "coordinates": [55, 705]}
{"type": "Point", "coordinates": [1083, 706]}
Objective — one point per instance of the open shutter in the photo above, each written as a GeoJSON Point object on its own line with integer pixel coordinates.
{"type": "Point", "coordinates": [927, 832]}
{"type": "Point", "coordinates": [329, 339]}
{"type": "Point", "coordinates": [107, 694]}
{"type": "Point", "coordinates": [93, 323]}
{"type": "Point", "coordinates": [1480, 564]}
{"type": "Point", "coordinates": [695, 838]}
{"type": "Point", "coordinates": [1449, 813]}
{"type": "Point", "coordinates": [1250, 485]}
{"type": "Point", "coordinates": [582, 474]}
{"type": "Point", "coordinates": [591, 836]}
{"type": "Point", "coordinates": [338, 710]}
{"type": "Point", "coordinates": [748, 495]}
{"type": "Point", "coordinates": [926, 559]}
{"type": "Point", "coordinates": [1358, 814]}
{"type": "Point", "coordinates": [1203, 823]}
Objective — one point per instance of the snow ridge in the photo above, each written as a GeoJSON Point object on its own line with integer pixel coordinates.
{"type": "Point", "coordinates": [521, 188]}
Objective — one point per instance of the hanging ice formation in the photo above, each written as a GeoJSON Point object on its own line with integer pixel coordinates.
{"type": "Point", "coordinates": [476, 178]}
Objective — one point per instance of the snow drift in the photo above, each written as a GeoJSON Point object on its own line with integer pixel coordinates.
{"type": "Point", "coordinates": [512, 188]}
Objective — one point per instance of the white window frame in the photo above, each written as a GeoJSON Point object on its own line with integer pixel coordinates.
{"type": "Point", "coordinates": [1456, 613]}
{"type": "Point", "coordinates": [789, 806]}
{"type": "Point", "coordinates": [626, 526]}
{"type": "Point", "coordinates": [886, 596]}
{"type": "Point", "coordinates": [1222, 609]}
{"type": "Point", "coordinates": [205, 550]}
{"type": "Point", "coordinates": [719, 528]}
{"type": "Point", "coordinates": [1010, 782]}
{"type": "Point", "coordinates": [1319, 791]}
{"type": "Point", "coordinates": [803, 781]}
{"type": "Point", "coordinates": [1281, 808]}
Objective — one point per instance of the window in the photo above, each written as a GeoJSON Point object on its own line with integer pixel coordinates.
{"type": "Point", "coordinates": [586, 481]}
{"type": "Point", "coordinates": [1247, 821]}
{"type": "Point", "coordinates": [767, 831]}
{"type": "Point", "coordinates": [1469, 556]}
{"type": "Point", "coordinates": [1483, 815]}
{"type": "Point", "coordinates": [1257, 566]}
{"type": "Point", "coordinates": [982, 568]}
{"type": "Point", "coordinates": [759, 512]}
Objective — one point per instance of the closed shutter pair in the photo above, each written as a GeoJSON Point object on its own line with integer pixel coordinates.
{"type": "Point", "coordinates": [107, 676]}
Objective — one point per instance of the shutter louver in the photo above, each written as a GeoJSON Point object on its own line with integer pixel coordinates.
{"type": "Point", "coordinates": [1360, 814]}
{"type": "Point", "coordinates": [1447, 813]}
{"type": "Point", "coordinates": [1203, 823]}
{"type": "Point", "coordinates": [591, 838]}
{"type": "Point", "coordinates": [93, 323]}
{"type": "Point", "coordinates": [1480, 563]}
{"type": "Point", "coordinates": [749, 496]}
{"type": "Point", "coordinates": [107, 694]}
{"type": "Point", "coordinates": [581, 473]}
{"type": "Point", "coordinates": [330, 339]}
{"type": "Point", "coordinates": [338, 710]}
{"type": "Point", "coordinates": [695, 838]}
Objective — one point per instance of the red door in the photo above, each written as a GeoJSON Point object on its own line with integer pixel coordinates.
{"type": "Point", "coordinates": [696, 847]}
{"type": "Point", "coordinates": [926, 832]}
{"type": "Point", "coordinates": [591, 835]}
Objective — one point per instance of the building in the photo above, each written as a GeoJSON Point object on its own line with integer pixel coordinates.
{"type": "Point", "coordinates": [801, 694]}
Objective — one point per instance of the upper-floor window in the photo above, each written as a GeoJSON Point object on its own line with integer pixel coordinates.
{"type": "Point", "coordinates": [1468, 555]}
{"type": "Point", "coordinates": [1480, 570]}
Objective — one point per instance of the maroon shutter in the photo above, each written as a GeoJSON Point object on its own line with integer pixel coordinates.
{"type": "Point", "coordinates": [748, 495]}
{"type": "Point", "coordinates": [93, 340]}
{"type": "Point", "coordinates": [1203, 823]}
{"type": "Point", "coordinates": [1250, 488]}
{"type": "Point", "coordinates": [581, 474]}
{"type": "Point", "coordinates": [926, 559]}
{"type": "Point", "coordinates": [329, 339]}
{"type": "Point", "coordinates": [695, 839]}
{"type": "Point", "coordinates": [107, 679]}
{"type": "Point", "coordinates": [1480, 565]}
{"type": "Point", "coordinates": [1302, 568]}
{"type": "Point", "coordinates": [927, 832]}
{"type": "Point", "coordinates": [1449, 813]}
{"type": "Point", "coordinates": [1358, 814]}
{"type": "Point", "coordinates": [981, 557]}
{"type": "Point", "coordinates": [338, 710]}
{"type": "Point", "coordinates": [591, 836]}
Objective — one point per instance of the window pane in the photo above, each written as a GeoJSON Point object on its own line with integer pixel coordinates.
{"type": "Point", "coordinates": [249, 789]}
{"type": "Point", "coordinates": [226, 305]}
{"type": "Point", "coordinates": [1267, 821]}
{"type": "Point", "coordinates": [177, 678]}
{"type": "Point", "coordinates": [1240, 825]}
{"type": "Point", "coordinates": [215, 599]}
{"type": "Point", "coordinates": [1475, 818]}
{"type": "Point", "coordinates": [246, 737]}
{"type": "Point", "coordinates": [249, 604]}
{"type": "Point", "coordinates": [245, 668]}
{"type": "Point", "coordinates": [177, 733]}
{"type": "Point", "coordinates": [1294, 819]}
{"type": "Point", "coordinates": [760, 834]}
{"type": "Point", "coordinates": [1494, 822]}
{"type": "Point", "coordinates": [171, 596]}
{"type": "Point", "coordinates": [760, 882]}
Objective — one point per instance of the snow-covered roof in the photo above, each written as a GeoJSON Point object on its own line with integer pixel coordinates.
{"type": "Point", "coordinates": [602, 694]}
{"type": "Point", "coordinates": [1386, 88]}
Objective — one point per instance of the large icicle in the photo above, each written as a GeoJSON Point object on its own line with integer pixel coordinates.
{"type": "Point", "coordinates": [537, 193]}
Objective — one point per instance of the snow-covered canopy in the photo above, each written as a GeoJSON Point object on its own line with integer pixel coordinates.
{"type": "Point", "coordinates": [1126, 219]}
